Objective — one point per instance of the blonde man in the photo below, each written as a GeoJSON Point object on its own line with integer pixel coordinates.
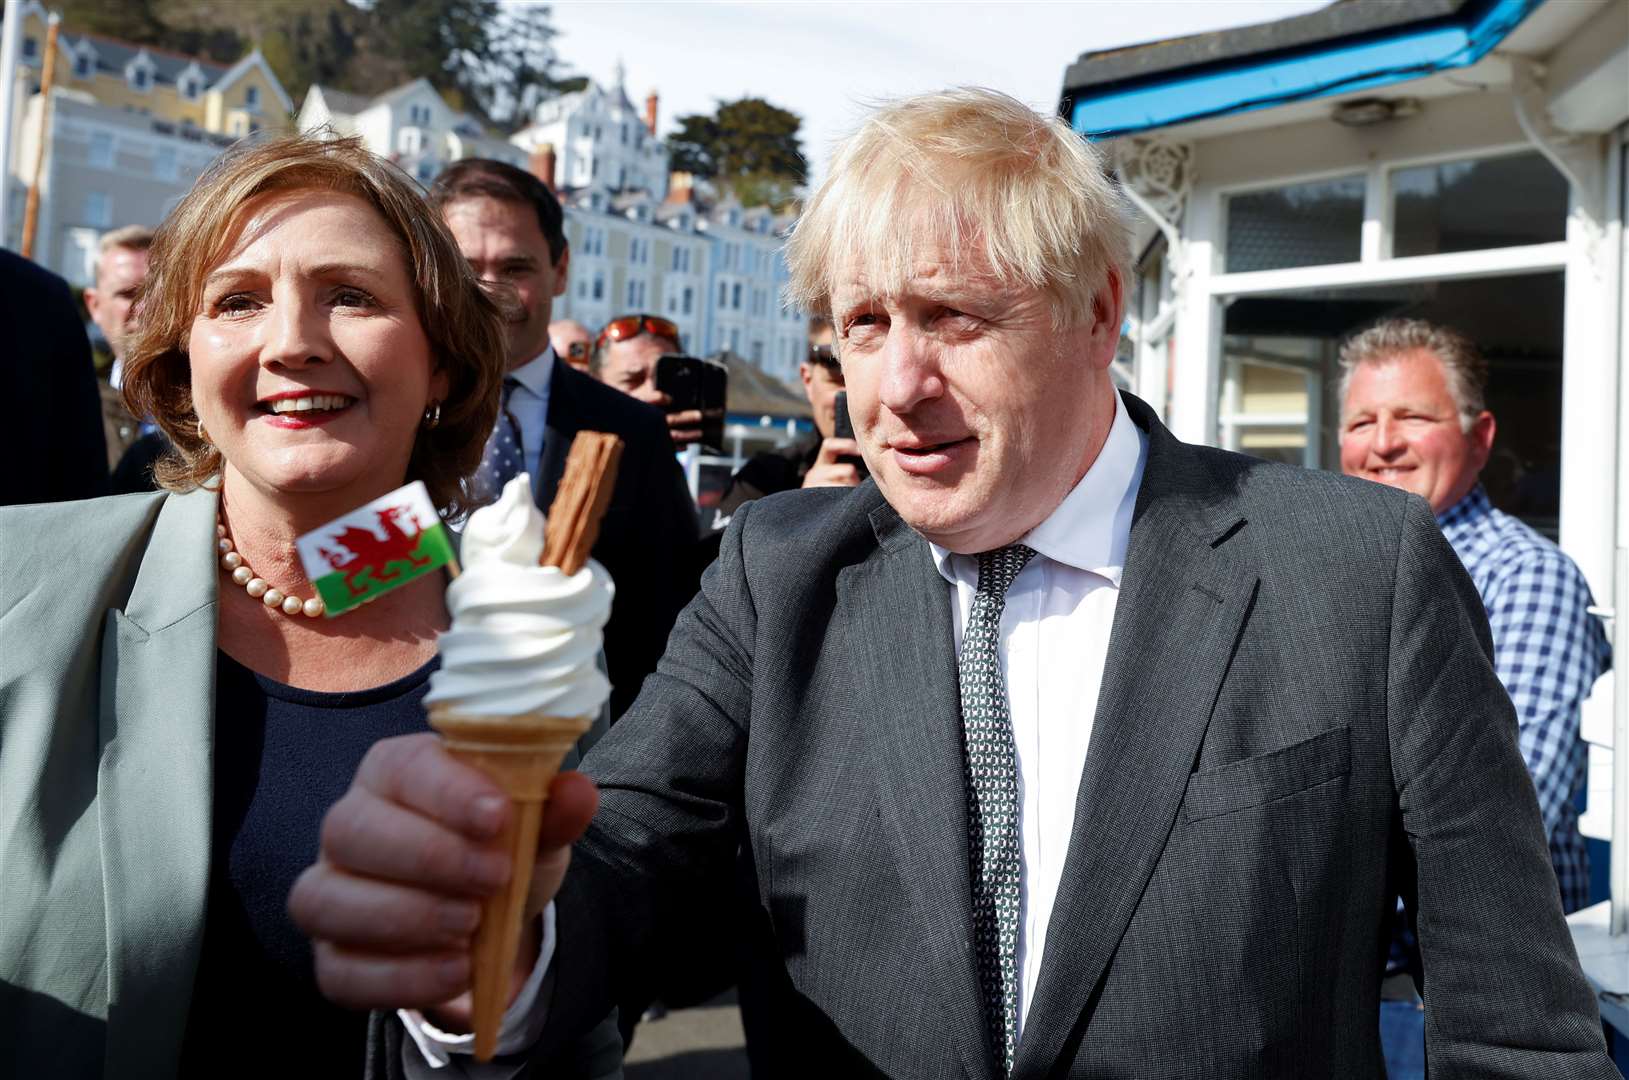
{"type": "Point", "coordinates": [1060, 748]}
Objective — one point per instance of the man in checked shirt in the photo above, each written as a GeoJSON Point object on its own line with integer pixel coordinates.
{"type": "Point", "coordinates": [1413, 416]}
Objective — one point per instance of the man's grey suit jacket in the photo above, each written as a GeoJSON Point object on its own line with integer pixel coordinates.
{"type": "Point", "coordinates": [1298, 721]}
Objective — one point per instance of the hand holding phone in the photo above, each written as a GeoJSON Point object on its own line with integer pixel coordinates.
{"type": "Point", "coordinates": [696, 390]}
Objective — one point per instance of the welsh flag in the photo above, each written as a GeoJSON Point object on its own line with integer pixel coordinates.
{"type": "Point", "coordinates": [373, 549]}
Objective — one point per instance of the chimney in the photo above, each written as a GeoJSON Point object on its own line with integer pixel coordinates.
{"type": "Point", "coordinates": [681, 188]}
{"type": "Point", "coordinates": [542, 164]}
{"type": "Point", "coordinates": [650, 112]}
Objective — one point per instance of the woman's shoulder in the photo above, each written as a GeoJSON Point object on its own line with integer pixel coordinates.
{"type": "Point", "coordinates": [43, 533]}
{"type": "Point", "coordinates": [95, 548]}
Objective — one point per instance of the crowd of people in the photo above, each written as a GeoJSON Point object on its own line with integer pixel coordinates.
{"type": "Point", "coordinates": [1029, 741]}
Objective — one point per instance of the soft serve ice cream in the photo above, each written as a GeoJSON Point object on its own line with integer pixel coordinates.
{"type": "Point", "coordinates": [525, 639]}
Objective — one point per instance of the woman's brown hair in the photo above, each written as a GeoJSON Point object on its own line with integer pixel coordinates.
{"type": "Point", "coordinates": [464, 327]}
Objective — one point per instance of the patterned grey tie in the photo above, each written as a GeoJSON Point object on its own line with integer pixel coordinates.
{"type": "Point", "coordinates": [504, 458]}
{"type": "Point", "coordinates": [992, 797]}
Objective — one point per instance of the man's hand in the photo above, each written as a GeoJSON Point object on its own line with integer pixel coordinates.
{"type": "Point", "coordinates": [394, 898]}
{"type": "Point", "coordinates": [828, 471]}
{"type": "Point", "coordinates": [684, 427]}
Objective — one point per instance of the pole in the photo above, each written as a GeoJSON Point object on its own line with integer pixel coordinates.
{"type": "Point", "coordinates": [31, 209]}
{"type": "Point", "coordinates": [1612, 245]}
{"type": "Point", "coordinates": [10, 32]}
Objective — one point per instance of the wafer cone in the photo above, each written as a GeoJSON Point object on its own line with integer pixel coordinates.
{"type": "Point", "coordinates": [522, 754]}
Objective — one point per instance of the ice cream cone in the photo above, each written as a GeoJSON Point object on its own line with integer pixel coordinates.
{"type": "Point", "coordinates": [522, 754]}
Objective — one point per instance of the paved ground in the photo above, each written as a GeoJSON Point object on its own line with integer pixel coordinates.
{"type": "Point", "coordinates": [704, 1043]}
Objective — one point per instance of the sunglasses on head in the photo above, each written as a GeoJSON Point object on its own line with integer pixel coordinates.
{"type": "Point", "coordinates": [631, 326]}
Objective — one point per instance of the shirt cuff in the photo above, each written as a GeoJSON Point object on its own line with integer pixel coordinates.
{"type": "Point", "coordinates": [522, 1021]}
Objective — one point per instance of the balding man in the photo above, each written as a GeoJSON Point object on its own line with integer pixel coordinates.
{"type": "Point", "coordinates": [1060, 748]}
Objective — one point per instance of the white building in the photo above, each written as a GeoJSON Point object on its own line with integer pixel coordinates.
{"type": "Point", "coordinates": [718, 273]}
{"type": "Point", "coordinates": [600, 140]}
{"type": "Point", "coordinates": [631, 254]}
{"type": "Point", "coordinates": [744, 286]}
{"type": "Point", "coordinates": [128, 130]}
{"type": "Point", "coordinates": [104, 168]}
{"type": "Point", "coordinates": [1458, 161]}
{"type": "Point", "coordinates": [412, 125]}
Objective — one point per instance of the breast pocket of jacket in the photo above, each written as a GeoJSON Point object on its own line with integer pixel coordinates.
{"type": "Point", "coordinates": [1278, 774]}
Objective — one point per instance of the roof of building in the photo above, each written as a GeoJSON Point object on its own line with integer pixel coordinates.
{"type": "Point", "coordinates": [113, 55]}
{"type": "Point", "coordinates": [754, 392]}
{"type": "Point", "coordinates": [1341, 19]}
{"type": "Point", "coordinates": [345, 103]}
{"type": "Point", "coordinates": [342, 101]}
{"type": "Point", "coordinates": [1347, 47]}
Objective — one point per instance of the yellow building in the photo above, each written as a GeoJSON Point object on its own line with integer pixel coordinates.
{"type": "Point", "coordinates": [187, 91]}
{"type": "Point", "coordinates": [128, 130]}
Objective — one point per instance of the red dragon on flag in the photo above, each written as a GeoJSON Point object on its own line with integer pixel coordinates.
{"type": "Point", "coordinates": [362, 551]}
{"type": "Point", "coordinates": [381, 545]}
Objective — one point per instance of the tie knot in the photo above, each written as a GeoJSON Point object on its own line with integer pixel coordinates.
{"type": "Point", "coordinates": [509, 385]}
{"type": "Point", "coordinates": [999, 568]}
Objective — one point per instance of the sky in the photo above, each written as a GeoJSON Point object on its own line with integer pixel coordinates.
{"type": "Point", "coordinates": [824, 61]}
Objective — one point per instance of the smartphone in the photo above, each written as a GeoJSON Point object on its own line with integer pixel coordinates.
{"type": "Point", "coordinates": [843, 428]}
{"type": "Point", "coordinates": [693, 383]}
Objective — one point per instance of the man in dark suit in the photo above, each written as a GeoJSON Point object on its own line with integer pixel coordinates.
{"type": "Point", "coordinates": [55, 422]}
{"type": "Point", "coordinates": [511, 229]}
{"type": "Point", "coordinates": [1061, 748]}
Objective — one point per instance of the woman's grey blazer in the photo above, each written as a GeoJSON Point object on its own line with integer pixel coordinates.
{"type": "Point", "coordinates": [107, 691]}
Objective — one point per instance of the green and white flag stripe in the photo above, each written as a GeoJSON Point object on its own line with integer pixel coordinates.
{"type": "Point", "coordinates": [392, 540]}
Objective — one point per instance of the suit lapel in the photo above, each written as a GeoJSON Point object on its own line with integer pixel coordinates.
{"type": "Point", "coordinates": [154, 785]}
{"type": "Point", "coordinates": [561, 428]}
{"type": "Point", "coordinates": [1183, 604]}
{"type": "Point", "coordinates": [902, 648]}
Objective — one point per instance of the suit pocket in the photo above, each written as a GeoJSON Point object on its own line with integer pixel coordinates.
{"type": "Point", "coordinates": [1240, 785]}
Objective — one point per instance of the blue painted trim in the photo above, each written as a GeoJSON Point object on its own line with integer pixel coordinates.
{"type": "Point", "coordinates": [1333, 68]}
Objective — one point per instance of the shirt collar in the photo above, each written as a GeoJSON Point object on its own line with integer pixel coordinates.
{"type": "Point", "coordinates": [1091, 529]}
{"type": "Point", "coordinates": [1466, 512]}
{"type": "Point", "coordinates": [534, 374]}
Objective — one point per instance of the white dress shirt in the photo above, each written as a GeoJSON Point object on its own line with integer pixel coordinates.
{"type": "Point", "coordinates": [1053, 643]}
{"type": "Point", "coordinates": [530, 405]}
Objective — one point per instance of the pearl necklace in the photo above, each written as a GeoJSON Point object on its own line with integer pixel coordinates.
{"type": "Point", "coordinates": [256, 587]}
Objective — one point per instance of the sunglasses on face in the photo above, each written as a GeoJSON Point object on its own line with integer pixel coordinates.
{"type": "Point", "coordinates": [631, 326]}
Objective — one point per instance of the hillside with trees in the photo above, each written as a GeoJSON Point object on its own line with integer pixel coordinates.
{"type": "Point", "coordinates": [494, 59]}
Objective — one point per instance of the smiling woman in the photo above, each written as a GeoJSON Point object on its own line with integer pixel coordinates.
{"type": "Point", "coordinates": [338, 196]}
{"type": "Point", "coordinates": [309, 339]}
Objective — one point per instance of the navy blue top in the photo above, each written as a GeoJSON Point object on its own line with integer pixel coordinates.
{"type": "Point", "coordinates": [283, 756]}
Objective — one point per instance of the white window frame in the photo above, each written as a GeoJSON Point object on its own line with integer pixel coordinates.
{"type": "Point", "coordinates": [102, 219]}
{"type": "Point", "coordinates": [93, 153]}
{"type": "Point", "coordinates": [1590, 397]}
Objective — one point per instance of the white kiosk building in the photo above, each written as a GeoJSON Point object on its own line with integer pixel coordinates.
{"type": "Point", "coordinates": [1462, 161]}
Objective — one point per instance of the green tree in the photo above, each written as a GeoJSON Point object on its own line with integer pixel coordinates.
{"type": "Point", "coordinates": [748, 146]}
